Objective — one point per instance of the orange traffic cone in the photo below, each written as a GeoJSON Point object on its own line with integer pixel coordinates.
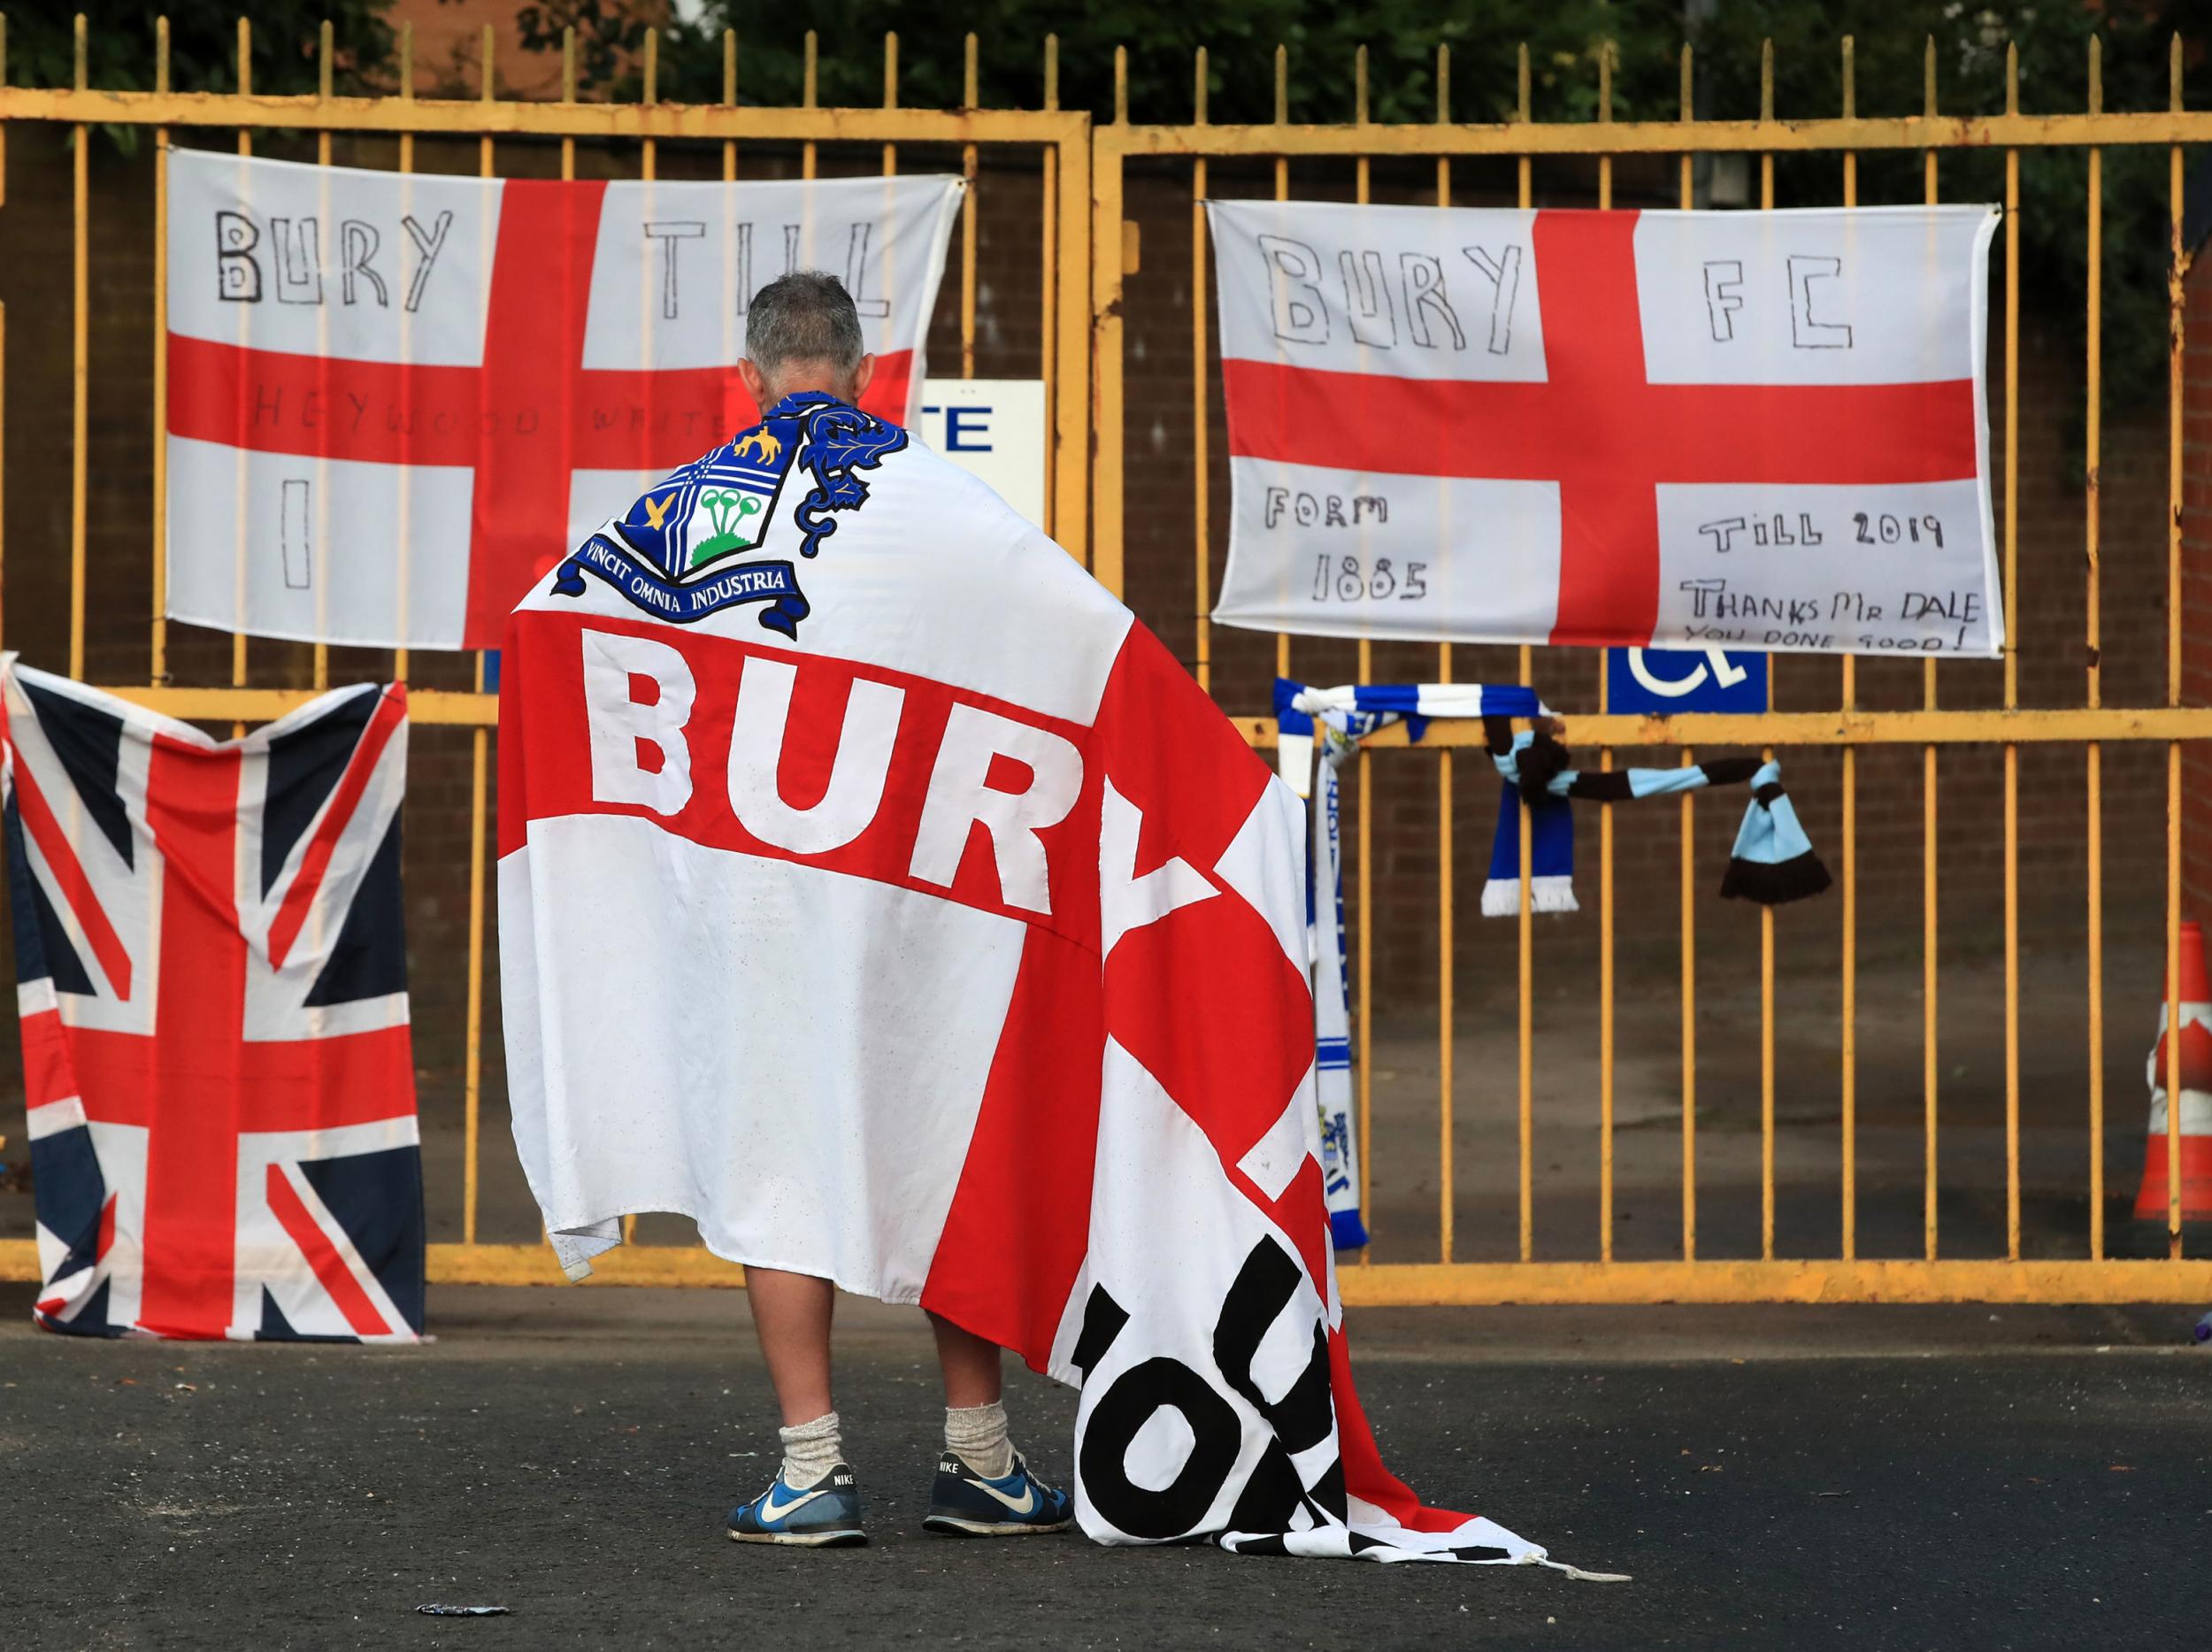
{"type": "Point", "coordinates": [2196, 1096]}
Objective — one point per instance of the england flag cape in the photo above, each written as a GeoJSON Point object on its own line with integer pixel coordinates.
{"type": "Point", "coordinates": [880, 894]}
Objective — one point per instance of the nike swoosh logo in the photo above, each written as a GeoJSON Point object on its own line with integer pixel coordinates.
{"type": "Point", "coordinates": [1026, 1503]}
{"type": "Point", "coordinates": [770, 1510]}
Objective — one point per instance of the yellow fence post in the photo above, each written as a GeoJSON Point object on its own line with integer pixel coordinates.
{"type": "Point", "coordinates": [2092, 600]}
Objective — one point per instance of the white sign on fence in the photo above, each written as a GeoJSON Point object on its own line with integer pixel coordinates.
{"type": "Point", "coordinates": [994, 428]}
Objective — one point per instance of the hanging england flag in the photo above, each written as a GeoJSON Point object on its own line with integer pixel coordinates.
{"type": "Point", "coordinates": [397, 399]}
{"type": "Point", "coordinates": [1760, 431]}
{"type": "Point", "coordinates": [213, 987]}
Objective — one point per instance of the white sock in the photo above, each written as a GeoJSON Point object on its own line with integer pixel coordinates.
{"type": "Point", "coordinates": [811, 1451]}
{"type": "Point", "coordinates": [976, 1435]}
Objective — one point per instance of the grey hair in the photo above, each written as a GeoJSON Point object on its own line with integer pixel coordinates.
{"type": "Point", "coordinates": [805, 317]}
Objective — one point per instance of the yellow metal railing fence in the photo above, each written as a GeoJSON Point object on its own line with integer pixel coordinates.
{"type": "Point", "coordinates": [1120, 147]}
{"type": "Point", "coordinates": [1085, 257]}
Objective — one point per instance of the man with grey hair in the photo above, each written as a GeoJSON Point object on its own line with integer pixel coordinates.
{"type": "Point", "coordinates": [806, 368]}
{"type": "Point", "coordinates": [803, 334]}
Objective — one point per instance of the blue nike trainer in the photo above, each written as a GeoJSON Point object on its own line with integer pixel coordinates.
{"type": "Point", "coordinates": [825, 1515]}
{"type": "Point", "coordinates": [964, 1503]}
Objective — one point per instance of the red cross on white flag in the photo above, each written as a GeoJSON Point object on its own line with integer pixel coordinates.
{"type": "Point", "coordinates": [395, 399]}
{"type": "Point", "coordinates": [1749, 430]}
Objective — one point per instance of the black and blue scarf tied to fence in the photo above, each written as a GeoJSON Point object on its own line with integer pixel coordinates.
{"type": "Point", "coordinates": [1772, 862]}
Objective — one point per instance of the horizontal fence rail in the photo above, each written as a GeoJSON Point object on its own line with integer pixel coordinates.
{"type": "Point", "coordinates": [1091, 262]}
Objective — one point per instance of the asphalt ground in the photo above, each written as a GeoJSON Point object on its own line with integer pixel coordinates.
{"type": "Point", "coordinates": [1924, 1478]}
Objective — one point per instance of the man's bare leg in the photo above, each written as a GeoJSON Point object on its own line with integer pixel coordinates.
{"type": "Point", "coordinates": [792, 1311]}
{"type": "Point", "coordinates": [970, 1365]}
{"type": "Point", "coordinates": [983, 1487]}
{"type": "Point", "coordinates": [975, 1420]}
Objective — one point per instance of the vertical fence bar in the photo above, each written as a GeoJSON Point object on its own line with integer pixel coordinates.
{"type": "Point", "coordinates": [3, 326]}
{"type": "Point", "coordinates": [472, 1073]}
{"type": "Point", "coordinates": [1524, 164]}
{"type": "Point", "coordinates": [1604, 204]}
{"type": "Point", "coordinates": [1689, 851]}
{"type": "Point", "coordinates": [968, 170]}
{"type": "Point", "coordinates": [1766, 913]}
{"type": "Point", "coordinates": [1202, 476]}
{"type": "Point", "coordinates": [1604, 824]}
{"type": "Point", "coordinates": [158, 668]}
{"type": "Point", "coordinates": [567, 96]}
{"type": "Point", "coordinates": [1050, 284]}
{"type": "Point", "coordinates": [245, 148]}
{"type": "Point", "coordinates": [891, 101]}
{"type": "Point", "coordinates": [406, 164]}
{"type": "Point", "coordinates": [480, 738]}
{"type": "Point", "coordinates": [1605, 1013]}
{"type": "Point", "coordinates": [807, 88]}
{"type": "Point", "coordinates": [1525, 929]}
{"type": "Point", "coordinates": [1686, 189]}
{"type": "Point", "coordinates": [2012, 667]}
{"type": "Point", "coordinates": [1929, 928]}
{"type": "Point", "coordinates": [1689, 1019]}
{"type": "Point", "coordinates": [1447, 923]}
{"type": "Point", "coordinates": [3, 308]}
{"type": "Point", "coordinates": [1605, 119]}
{"type": "Point", "coordinates": [1105, 260]}
{"type": "Point", "coordinates": [1282, 638]}
{"type": "Point", "coordinates": [1367, 804]}
{"type": "Point", "coordinates": [649, 167]}
{"type": "Point", "coordinates": [649, 160]}
{"type": "Point", "coordinates": [79, 360]}
{"type": "Point", "coordinates": [4, 341]}
{"type": "Point", "coordinates": [729, 101]}
{"type": "Point", "coordinates": [2175, 378]}
{"type": "Point", "coordinates": [1850, 698]}
{"type": "Point", "coordinates": [321, 667]}
{"type": "Point", "coordinates": [2093, 454]}
{"type": "Point", "coordinates": [1079, 394]}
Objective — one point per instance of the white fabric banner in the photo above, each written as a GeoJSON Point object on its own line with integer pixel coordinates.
{"type": "Point", "coordinates": [395, 399]}
{"type": "Point", "coordinates": [1759, 431]}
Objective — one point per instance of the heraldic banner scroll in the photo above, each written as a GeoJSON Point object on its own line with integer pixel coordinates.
{"type": "Point", "coordinates": [1760, 431]}
{"type": "Point", "coordinates": [397, 399]}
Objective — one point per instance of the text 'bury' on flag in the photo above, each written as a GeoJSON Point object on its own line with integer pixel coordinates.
{"type": "Point", "coordinates": [1749, 430]}
{"type": "Point", "coordinates": [397, 399]}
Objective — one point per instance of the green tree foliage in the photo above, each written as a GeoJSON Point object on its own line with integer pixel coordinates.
{"type": "Point", "coordinates": [203, 43]}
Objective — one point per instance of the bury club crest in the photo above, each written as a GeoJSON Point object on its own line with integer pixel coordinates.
{"type": "Point", "coordinates": [686, 549]}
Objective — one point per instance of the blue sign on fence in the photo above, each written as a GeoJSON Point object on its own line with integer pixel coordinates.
{"type": "Point", "coordinates": [1661, 681]}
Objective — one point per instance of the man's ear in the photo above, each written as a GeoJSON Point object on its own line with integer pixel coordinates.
{"type": "Point", "coordinates": [755, 383]}
{"type": "Point", "coordinates": [863, 375]}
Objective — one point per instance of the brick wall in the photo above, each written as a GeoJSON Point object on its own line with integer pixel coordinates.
{"type": "Point", "coordinates": [34, 283]}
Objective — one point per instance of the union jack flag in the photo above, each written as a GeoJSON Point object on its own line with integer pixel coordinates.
{"type": "Point", "coordinates": [212, 984]}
